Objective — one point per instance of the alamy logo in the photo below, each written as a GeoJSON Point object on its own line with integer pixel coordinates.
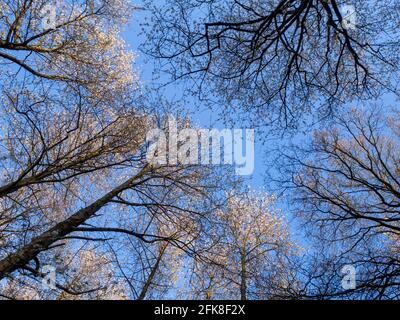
{"type": "Point", "coordinates": [349, 17]}
{"type": "Point", "coordinates": [50, 14]}
{"type": "Point", "coordinates": [349, 279]}
{"type": "Point", "coordinates": [201, 146]}
{"type": "Point", "coordinates": [49, 277]}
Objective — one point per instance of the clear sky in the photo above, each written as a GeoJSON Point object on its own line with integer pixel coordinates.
{"type": "Point", "coordinates": [203, 118]}
{"type": "Point", "coordinates": [144, 66]}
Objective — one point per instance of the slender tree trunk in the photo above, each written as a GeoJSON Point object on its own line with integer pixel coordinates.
{"type": "Point", "coordinates": [243, 275]}
{"type": "Point", "coordinates": [22, 256]}
{"type": "Point", "coordinates": [209, 292]}
{"type": "Point", "coordinates": [153, 272]}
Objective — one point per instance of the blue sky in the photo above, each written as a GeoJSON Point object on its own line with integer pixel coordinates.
{"type": "Point", "coordinates": [205, 118]}
{"type": "Point", "coordinates": [202, 118]}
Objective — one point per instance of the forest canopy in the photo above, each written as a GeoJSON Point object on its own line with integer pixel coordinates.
{"type": "Point", "coordinates": [84, 215]}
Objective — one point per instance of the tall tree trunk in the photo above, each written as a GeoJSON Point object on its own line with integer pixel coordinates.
{"type": "Point", "coordinates": [153, 272]}
{"type": "Point", "coordinates": [209, 292]}
{"type": "Point", "coordinates": [243, 275]}
{"type": "Point", "coordinates": [42, 242]}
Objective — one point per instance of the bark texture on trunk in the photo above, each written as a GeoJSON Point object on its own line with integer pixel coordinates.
{"type": "Point", "coordinates": [42, 242]}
